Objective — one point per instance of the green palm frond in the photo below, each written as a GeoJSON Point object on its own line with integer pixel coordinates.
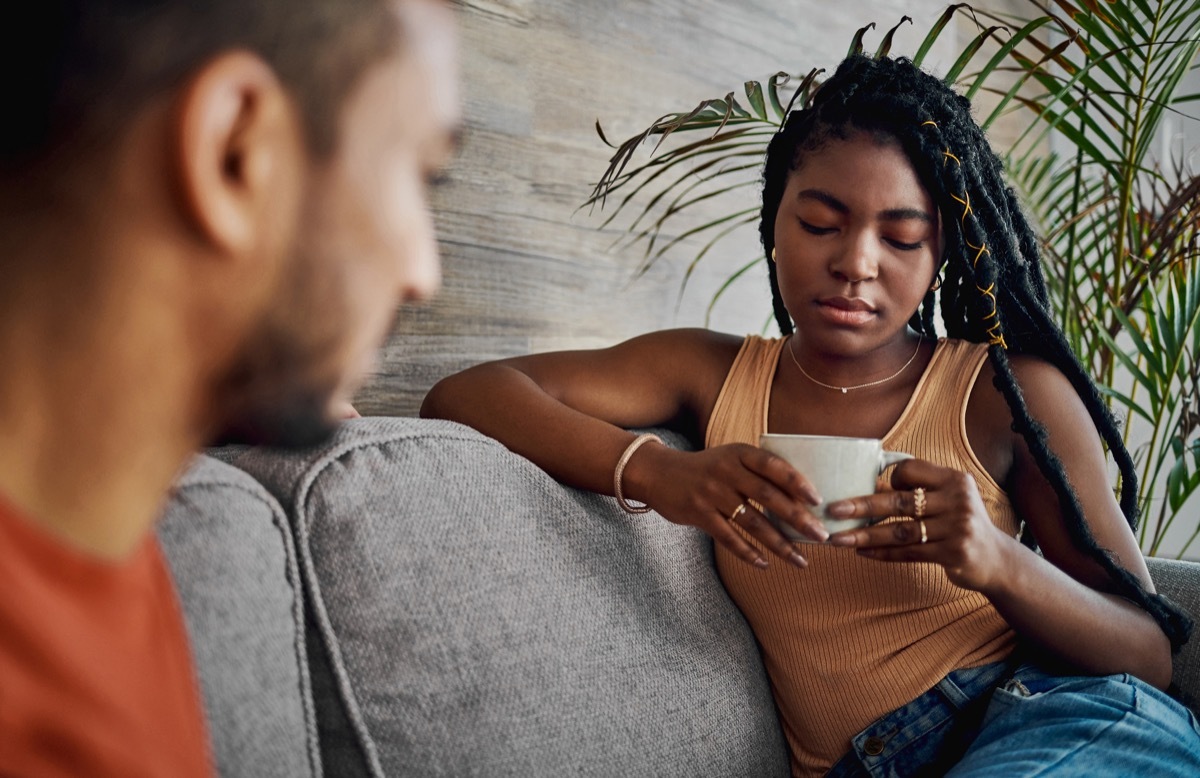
{"type": "Point", "coordinates": [1164, 333]}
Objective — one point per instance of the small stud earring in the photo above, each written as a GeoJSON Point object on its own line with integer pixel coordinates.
{"type": "Point", "coordinates": [937, 283]}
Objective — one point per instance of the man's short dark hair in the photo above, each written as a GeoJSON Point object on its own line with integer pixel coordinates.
{"type": "Point", "coordinates": [73, 70]}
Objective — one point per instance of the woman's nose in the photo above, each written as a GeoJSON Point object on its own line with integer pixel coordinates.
{"type": "Point", "coordinates": [856, 261]}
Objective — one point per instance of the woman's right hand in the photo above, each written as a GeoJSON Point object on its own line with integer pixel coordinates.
{"type": "Point", "coordinates": [705, 489]}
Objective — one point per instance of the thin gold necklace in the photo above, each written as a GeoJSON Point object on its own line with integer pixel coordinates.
{"type": "Point", "coordinates": [844, 389]}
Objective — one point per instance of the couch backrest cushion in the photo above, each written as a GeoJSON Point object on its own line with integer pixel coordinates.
{"type": "Point", "coordinates": [231, 552]}
{"type": "Point", "coordinates": [482, 619]}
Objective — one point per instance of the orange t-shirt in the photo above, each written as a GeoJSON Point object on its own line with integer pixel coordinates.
{"type": "Point", "coordinates": [96, 675]}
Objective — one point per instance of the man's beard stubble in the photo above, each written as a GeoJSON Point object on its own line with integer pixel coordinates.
{"type": "Point", "coordinates": [296, 420]}
{"type": "Point", "coordinates": [274, 394]}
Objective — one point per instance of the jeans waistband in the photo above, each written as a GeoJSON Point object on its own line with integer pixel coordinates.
{"type": "Point", "coordinates": [900, 743]}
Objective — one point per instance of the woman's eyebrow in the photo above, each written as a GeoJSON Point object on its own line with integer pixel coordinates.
{"type": "Point", "coordinates": [821, 196]}
{"type": "Point", "coordinates": [889, 215]}
{"type": "Point", "coordinates": [903, 214]}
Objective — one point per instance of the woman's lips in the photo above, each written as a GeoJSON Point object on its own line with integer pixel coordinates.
{"type": "Point", "coordinates": [846, 311]}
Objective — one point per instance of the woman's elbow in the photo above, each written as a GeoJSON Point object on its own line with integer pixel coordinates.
{"type": "Point", "coordinates": [1156, 665]}
{"type": "Point", "coordinates": [439, 401]}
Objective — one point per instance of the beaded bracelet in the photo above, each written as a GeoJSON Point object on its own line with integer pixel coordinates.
{"type": "Point", "coordinates": [624, 460]}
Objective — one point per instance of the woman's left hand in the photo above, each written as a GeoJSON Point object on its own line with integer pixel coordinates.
{"type": "Point", "coordinates": [946, 524]}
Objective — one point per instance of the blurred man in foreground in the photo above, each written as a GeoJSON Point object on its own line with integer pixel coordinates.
{"type": "Point", "coordinates": [210, 210]}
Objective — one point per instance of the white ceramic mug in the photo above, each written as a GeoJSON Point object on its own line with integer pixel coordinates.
{"type": "Point", "coordinates": [838, 467]}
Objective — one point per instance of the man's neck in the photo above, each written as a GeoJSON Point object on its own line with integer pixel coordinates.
{"type": "Point", "coordinates": [94, 417]}
{"type": "Point", "coordinates": [99, 496]}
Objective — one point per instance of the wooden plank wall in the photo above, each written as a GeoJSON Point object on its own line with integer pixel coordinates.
{"type": "Point", "coordinates": [524, 270]}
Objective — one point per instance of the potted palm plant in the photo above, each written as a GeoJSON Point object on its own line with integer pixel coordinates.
{"type": "Point", "coordinates": [1091, 83]}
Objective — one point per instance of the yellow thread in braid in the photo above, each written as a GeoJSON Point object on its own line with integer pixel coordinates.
{"type": "Point", "coordinates": [980, 251]}
{"type": "Point", "coordinates": [966, 205]}
{"type": "Point", "coordinates": [996, 336]}
{"type": "Point", "coordinates": [994, 332]}
{"type": "Point", "coordinates": [988, 294]}
{"type": "Point", "coordinates": [945, 153]}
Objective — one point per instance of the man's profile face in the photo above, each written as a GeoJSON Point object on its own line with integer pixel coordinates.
{"type": "Point", "coordinates": [364, 243]}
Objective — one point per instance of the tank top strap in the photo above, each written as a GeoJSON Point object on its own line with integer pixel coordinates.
{"type": "Point", "coordinates": [934, 426]}
{"type": "Point", "coordinates": [740, 413]}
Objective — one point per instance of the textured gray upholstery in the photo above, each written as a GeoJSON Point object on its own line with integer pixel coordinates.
{"type": "Point", "coordinates": [482, 619]}
{"type": "Point", "coordinates": [1181, 582]}
{"type": "Point", "coordinates": [231, 553]}
{"type": "Point", "coordinates": [469, 616]}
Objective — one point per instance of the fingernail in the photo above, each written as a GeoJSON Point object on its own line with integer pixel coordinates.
{"type": "Point", "coordinates": [818, 533]}
{"type": "Point", "coordinates": [760, 563]}
{"type": "Point", "coordinates": [798, 560]}
{"type": "Point", "coordinates": [839, 509]}
{"type": "Point", "coordinates": [842, 540]}
{"type": "Point", "coordinates": [812, 495]}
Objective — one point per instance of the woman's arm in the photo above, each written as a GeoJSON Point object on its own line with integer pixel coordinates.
{"type": "Point", "coordinates": [568, 412]}
{"type": "Point", "coordinates": [1061, 601]}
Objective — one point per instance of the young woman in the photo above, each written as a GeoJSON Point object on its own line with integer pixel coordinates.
{"type": "Point", "coordinates": [897, 648]}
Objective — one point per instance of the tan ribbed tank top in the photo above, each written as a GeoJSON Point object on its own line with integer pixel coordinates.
{"type": "Point", "coordinates": [849, 639]}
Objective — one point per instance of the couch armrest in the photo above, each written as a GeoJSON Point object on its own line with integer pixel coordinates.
{"type": "Point", "coordinates": [231, 554]}
{"type": "Point", "coordinates": [1181, 582]}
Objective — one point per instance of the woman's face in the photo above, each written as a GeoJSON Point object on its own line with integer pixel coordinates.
{"type": "Point", "coordinates": [856, 245]}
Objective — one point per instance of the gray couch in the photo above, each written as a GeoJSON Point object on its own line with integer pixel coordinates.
{"type": "Point", "coordinates": [414, 600]}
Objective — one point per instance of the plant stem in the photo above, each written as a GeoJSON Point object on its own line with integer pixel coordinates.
{"type": "Point", "coordinates": [1153, 459]}
{"type": "Point", "coordinates": [1068, 320]}
{"type": "Point", "coordinates": [1132, 142]}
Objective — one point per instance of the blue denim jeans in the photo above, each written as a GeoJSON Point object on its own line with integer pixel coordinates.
{"type": "Point", "coordinates": [1032, 724]}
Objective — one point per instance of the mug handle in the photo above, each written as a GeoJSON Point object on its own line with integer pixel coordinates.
{"type": "Point", "coordinates": [889, 458]}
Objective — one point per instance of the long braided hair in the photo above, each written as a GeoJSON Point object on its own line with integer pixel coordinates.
{"type": "Point", "coordinates": [993, 290]}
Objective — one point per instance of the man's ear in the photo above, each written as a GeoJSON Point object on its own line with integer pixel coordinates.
{"type": "Point", "coordinates": [238, 153]}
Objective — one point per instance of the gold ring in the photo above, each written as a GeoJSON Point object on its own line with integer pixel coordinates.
{"type": "Point", "coordinates": [918, 502]}
{"type": "Point", "coordinates": [924, 534]}
{"type": "Point", "coordinates": [738, 511]}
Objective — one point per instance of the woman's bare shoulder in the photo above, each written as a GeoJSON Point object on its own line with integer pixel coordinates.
{"type": "Point", "coordinates": [1045, 387]}
{"type": "Point", "coordinates": [692, 358]}
{"type": "Point", "coordinates": [1041, 382]}
{"type": "Point", "coordinates": [990, 418]}
{"type": "Point", "coordinates": [1050, 400]}
{"type": "Point", "coordinates": [663, 373]}
{"type": "Point", "coordinates": [694, 342]}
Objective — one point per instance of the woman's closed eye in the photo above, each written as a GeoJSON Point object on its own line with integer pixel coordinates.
{"type": "Point", "coordinates": [900, 245]}
{"type": "Point", "coordinates": [815, 229]}
{"type": "Point", "coordinates": [903, 246]}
